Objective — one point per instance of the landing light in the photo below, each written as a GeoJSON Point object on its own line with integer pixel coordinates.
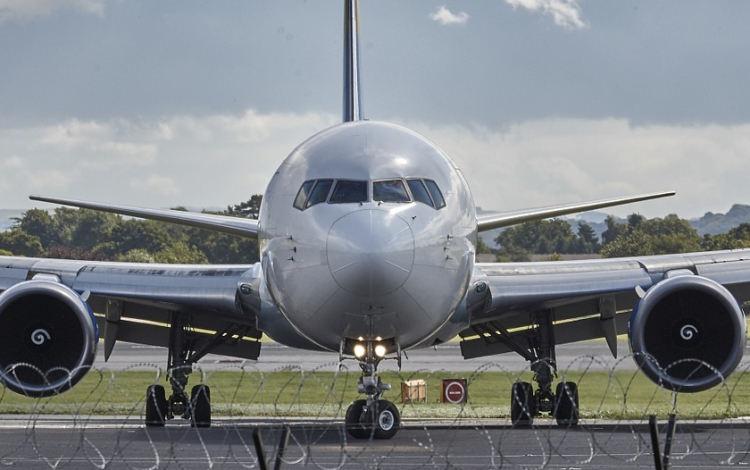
{"type": "Point", "coordinates": [359, 351]}
{"type": "Point", "coordinates": [380, 350]}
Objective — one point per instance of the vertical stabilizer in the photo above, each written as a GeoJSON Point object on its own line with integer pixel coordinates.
{"type": "Point", "coordinates": [352, 100]}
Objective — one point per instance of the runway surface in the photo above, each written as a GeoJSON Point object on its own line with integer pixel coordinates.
{"type": "Point", "coordinates": [593, 355]}
{"type": "Point", "coordinates": [118, 443]}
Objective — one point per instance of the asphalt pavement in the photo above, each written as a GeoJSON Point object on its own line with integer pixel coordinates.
{"type": "Point", "coordinates": [588, 355]}
{"type": "Point", "coordinates": [121, 443]}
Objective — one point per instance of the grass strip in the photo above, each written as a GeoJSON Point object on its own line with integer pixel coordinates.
{"type": "Point", "coordinates": [297, 393]}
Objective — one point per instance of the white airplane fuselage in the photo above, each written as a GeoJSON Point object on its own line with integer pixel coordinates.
{"type": "Point", "coordinates": [367, 270]}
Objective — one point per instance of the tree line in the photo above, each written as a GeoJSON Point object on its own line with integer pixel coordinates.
{"type": "Point", "coordinates": [91, 235]}
{"type": "Point", "coordinates": [100, 236]}
{"type": "Point", "coordinates": [637, 236]}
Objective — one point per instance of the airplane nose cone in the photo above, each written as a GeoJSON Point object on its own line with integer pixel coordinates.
{"type": "Point", "coordinates": [370, 252]}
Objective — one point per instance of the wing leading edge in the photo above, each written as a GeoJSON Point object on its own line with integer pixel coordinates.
{"type": "Point", "coordinates": [218, 223]}
{"type": "Point", "coordinates": [507, 219]}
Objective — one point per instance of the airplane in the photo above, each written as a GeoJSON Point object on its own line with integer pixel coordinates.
{"type": "Point", "coordinates": [367, 236]}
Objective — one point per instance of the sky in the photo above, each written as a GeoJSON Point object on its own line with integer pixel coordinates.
{"type": "Point", "coordinates": [539, 102]}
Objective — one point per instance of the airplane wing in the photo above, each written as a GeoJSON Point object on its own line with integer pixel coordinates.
{"type": "Point", "coordinates": [136, 302]}
{"type": "Point", "coordinates": [507, 219]}
{"type": "Point", "coordinates": [591, 298]}
{"type": "Point", "coordinates": [218, 223]}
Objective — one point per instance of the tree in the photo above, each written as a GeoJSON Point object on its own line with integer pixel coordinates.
{"type": "Point", "coordinates": [249, 208]}
{"type": "Point", "coordinates": [134, 234]}
{"type": "Point", "coordinates": [68, 252]}
{"type": "Point", "coordinates": [634, 221]}
{"type": "Point", "coordinates": [614, 230]}
{"type": "Point", "coordinates": [180, 253]}
{"type": "Point", "coordinates": [635, 244]}
{"type": "Point", "coordinates": [737, 237]}
{"type": "Point", "coordinates": [588, 242]}
{"type": "Point", "coordinates": [482, 248]}
{"type": "Point", "coordinates": [653, 237]}
{"type": "Point", "coordinates": [139, 255]}
{"type": "Point", "coordinates": [93, 228]}
{"type": "Point", "coordinates": [539, 236]}
{"type": "Point", "coordinates": [20, 243]}
{"type": "Point", "coordinates": [671, 235]}
{"type": "Point", "coordinates": [506, 255]}
{"type": "Point", "coordinates": [82, 228]}
{"type": "Point", "coordinates": [38, 223]}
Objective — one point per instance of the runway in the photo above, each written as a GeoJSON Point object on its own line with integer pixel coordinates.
{"type": "Point", "coordinates": [115, 443]}
{"type": "Point", "coordinates": [593, 355]}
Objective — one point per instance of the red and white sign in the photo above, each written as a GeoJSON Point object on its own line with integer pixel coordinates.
{"type": "Point", "coordinates": [454, 391]}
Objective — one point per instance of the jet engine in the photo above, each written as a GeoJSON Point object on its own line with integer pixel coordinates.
{"type": "Point", "coordinates": [48, 338]}
{"type": "Point", "coordinates": [687, 333]}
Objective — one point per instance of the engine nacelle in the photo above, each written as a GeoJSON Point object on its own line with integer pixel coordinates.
{"type": "Point", "coordinates": [48, 338]}
{"type": "Point", "coordinates": [687, 333]}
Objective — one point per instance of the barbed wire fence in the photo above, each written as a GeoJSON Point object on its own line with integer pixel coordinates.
{"type": "Point", "coordinates": [294, 418]}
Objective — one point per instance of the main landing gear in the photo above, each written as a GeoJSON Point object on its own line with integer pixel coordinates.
{"type": "Point", "coordinates": [525, 404]}
{"type": "Point", "coordinates": [197, 406]}
{"type": "Point", "coordinates": [372, 417]}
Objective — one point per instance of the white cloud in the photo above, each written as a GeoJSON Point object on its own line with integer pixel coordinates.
{"type": "Point", "coordinates": [545, 162]}
{"type": "Point", "coordinates": [28, 9]}
{"type": "Point", "coordinates": [163, 185]}
{"type": "Point", "coordinates": [49, 180]}
{"type": "Point", "coordinates": [182, 160]}
{"type": "Point", "coordinates": [566, 13]}
{"type": "Point", "coordinates": [445, 17]}
{"type": "Point", "coordinates": [218, 160]}
{"type": "Point", "coordinates": [11, 163]}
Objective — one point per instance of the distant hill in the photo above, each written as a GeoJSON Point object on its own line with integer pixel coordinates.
{"type": "Point", "coordinates": [722, 223]}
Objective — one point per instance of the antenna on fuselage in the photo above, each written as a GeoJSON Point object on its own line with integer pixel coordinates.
{"type": "Point", "coordinates": [352, 98]}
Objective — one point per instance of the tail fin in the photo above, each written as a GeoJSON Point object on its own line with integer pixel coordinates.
{"type": "Point", "coordinates": [352, 99]}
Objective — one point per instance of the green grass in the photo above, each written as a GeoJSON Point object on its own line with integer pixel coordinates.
{"type": "Point", "coordinates": [619, 395]}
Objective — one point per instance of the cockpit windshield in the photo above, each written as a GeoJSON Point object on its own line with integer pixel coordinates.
{"type": "Point", "coordinates": [390, 191]}
{"type": "Point", "coordinates": [397, 190]}
{"type": "Point", "coordinates": [349, 191]}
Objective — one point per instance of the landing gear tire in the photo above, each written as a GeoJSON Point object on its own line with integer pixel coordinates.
{"type": "Point", "coordinates": [156, 406]}
{"type": "Point", "coordinates": [354, 421]}
{"type": "Point", "coordinates": [566, 404]}
{"type": "Point", "coordinates": [387, 420]}
{"type": "Point", "coordinates": [522, 408]}
{"type": "Point", "coordinates": [200, 399]}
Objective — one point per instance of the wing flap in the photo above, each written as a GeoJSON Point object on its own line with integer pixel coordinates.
{"type": "Point", "coordinates": [564, 333]}
{"type": "Point", "coordinates": [154, 334]}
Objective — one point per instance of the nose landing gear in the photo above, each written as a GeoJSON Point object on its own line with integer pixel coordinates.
{"type": "Point", "coordinates": [372, 417]}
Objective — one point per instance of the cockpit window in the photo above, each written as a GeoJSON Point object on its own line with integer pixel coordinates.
{"type": "Point", "coordinates": [314, 192]}
{"type": "Point", "coordinates": [304, 191]}
{"type": "Point", "coordinates": [419, 192]}
{"type": "Point", "coordinates": [390, 191]}
{"type": "Point", "coordinates": [437, 196]}
{"type": "Point", "coordinates": [349, 191]}
{"type": "Point", "coordinates": [320, 192]}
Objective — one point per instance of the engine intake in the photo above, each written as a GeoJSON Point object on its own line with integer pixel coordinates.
{"type": "Point", "coordinates": [687, 333]}
{"type": "Point", "coordinates": [48, 338]}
